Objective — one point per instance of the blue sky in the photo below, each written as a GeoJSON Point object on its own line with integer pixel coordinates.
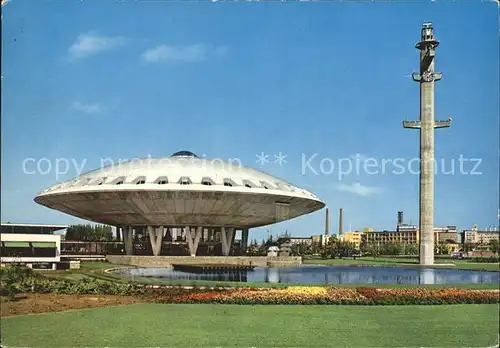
{"type": "Point", "coordinates": [101, 79]}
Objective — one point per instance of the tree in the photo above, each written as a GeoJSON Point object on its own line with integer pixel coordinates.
{"type": "Point", "coordinates": [372, 249]}
{"type": "Point", "coordinates": [469, 247]}
{"type": "Point", "coordinates": [494, 245]}
{"type": "Point", "coordinates": [300, 249]}
{"type": "Point", "coordinates": [411, 249]}
{"type": "Point", "coordinates": [253, 248]}
{"type": "Point", "coordinates": [442, 249]}
{"type": "Point", "coordinates": [316, 248]}
{"type": "Point", "coordinates": [337, 248]}
{"type": "Point", "coordinates": [391, 249]}
{"type": "Point", "coordinates": [89, 233]}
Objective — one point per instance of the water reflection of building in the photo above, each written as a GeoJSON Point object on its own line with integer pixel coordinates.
{"type": "Point", "coordinates": [240, 276]}
{"type": "Point", "coordinates": [427, 276]}
{"type": "Point", "coordinates": [272, 275]}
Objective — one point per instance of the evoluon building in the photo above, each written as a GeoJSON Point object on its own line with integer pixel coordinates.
{"type": "Point", "coordinates": [192, 199]}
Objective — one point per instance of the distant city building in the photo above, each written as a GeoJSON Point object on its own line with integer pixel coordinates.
{"type": "Point", "coordinates": [353, 237]}
{"type": "Point", "coordinates": [448, 234]}
{"type": "Point", "coordinates": [320, 239]}
{"type": "Point", "coordinates": [295, 240]}
{"type": "Point", "coordinates": [409, 234]}
{"type": "Point", "coordinates": [477, 236]}
{"type": "Point", "coordinates": [406, 228]}
{"type": "Point", "coordinates": [317, 239]}
{"type": "Point", "coordinates": [391, 237]}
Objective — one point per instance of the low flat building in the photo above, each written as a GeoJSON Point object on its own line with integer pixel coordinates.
{"type": "Point", "coordinates": [8, 227]}
{"type": "Point", "coordinates": [321, 239]}
{"type": "Point", "coordinates": [34, 250]}
{"type": "Point", "coordinates": [295, 240]}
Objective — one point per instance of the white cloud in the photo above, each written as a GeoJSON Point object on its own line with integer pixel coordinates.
{"type": "Point", "coordinates": [358, 189]}
{"type": "Point", "coordinates": [89, 44]}
{"type": "Point", "coordinates": [87, 108]}
{"type": "Point", "coordinates": [187, 54]}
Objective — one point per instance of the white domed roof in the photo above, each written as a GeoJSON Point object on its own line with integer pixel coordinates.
{"type": "Point", "coordinates": [182, 188]}
{"type": "Point", "coordinates": [178, 172]}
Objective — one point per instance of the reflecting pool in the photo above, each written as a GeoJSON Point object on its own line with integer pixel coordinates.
{"type": "Point", "coordinates": [328, 275]}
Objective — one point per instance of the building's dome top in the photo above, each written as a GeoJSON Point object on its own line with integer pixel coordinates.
{"type": "Point", "coordinates": [183, 154]}
{"type": "Point", "coordinates": [181, 171]}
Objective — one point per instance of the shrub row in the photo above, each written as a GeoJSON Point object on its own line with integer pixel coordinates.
{"type": "Point", "coordinates": [335, 296]}
{"type": "Point", "coordinates": [82, 286]}
{"type": "Point", "coordinates": [491, 259]}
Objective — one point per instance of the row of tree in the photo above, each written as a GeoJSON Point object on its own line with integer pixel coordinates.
{"type": "Point", "coordinates": [493, 245]}
{"type": "Point", "coordinates": [333, 249]}
{"type": "Point", "coordinates": [89, 233]}
{"type": "Point", "coordinates": [337, 248]}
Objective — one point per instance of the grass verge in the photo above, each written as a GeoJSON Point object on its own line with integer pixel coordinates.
{"type": "Point", "coordinates": [143, 325]}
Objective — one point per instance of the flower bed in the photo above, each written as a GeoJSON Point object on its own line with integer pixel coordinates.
{"type": "Point", "coordinates": [335, 296]}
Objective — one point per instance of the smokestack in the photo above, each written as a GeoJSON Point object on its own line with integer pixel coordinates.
{"type": "Point", "coordinates": [400, 217]}
{"type": "Point", "coordinates": [327, 223]}
{"type": "Point", "coordinates": [341, 230]}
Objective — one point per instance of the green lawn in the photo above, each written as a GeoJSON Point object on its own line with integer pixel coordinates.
{"type": "Point", "coordinates": [257, 326]}
{"type": "Point", "coordinates": [99, 265]}
{"type": "Point", "coordinates": [405, 261]}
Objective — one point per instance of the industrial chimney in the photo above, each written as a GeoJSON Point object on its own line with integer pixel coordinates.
{"type": "Point", "coordinates": [341, 230]}
{"type": "Point", "coordinates": [327, 223]}
{"type": "Point", "coordinates": [400, 218]}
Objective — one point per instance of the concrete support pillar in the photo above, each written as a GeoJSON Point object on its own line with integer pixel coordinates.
{"type": "Point", "coordinates": [156, 238]}
{"type": "Point", "coordinates": [193, 240]}
{"type": "Point", "coordinates": [128, 239]}
{"type": "Point", "coordinates": [118, 234]}
{"type": "Point", "coordinates": [227, 236]}
{"type": "Point", "coordinates": [244, 240]}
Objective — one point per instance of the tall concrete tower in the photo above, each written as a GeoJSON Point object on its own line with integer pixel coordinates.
{"type": "Point", "coordinates": [341, 223]}
{"type": "Point", "coordinates": [327, 223]}
{"type": "Point", "coordinates": [426, 125]}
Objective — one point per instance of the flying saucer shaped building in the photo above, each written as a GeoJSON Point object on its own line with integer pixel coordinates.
{"type": "Point", "coordinates": [201, 198]}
